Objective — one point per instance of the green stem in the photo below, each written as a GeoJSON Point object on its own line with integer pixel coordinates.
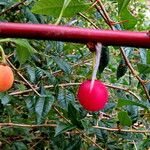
{"type": "Point", "coordinates": [3, 60]}
{"type": "Point", "coordinates": [66, 3]}
{"type": "Point", "coordinates": [60, 16]}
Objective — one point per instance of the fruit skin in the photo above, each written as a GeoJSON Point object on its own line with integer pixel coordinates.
{"type": "Point", "coordinates": [6, 77]}
{"type": "Point", "coordinates": [95, 99]}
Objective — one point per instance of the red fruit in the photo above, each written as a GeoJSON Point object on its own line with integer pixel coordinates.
{"type": "Point", "coordinates": [94, 99]}
{"type": "Point", "coordinates": [6, 78]}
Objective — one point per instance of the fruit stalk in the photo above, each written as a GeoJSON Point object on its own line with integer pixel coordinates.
{"type": "Point", "coordinates": [98, 48]}
{"type": "Point", "coordinates": [75, 34]}
{"type": "Point", "coordinates": [3, 60]}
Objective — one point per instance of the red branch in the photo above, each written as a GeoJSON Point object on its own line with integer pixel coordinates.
{"type": "Point", "coordinates": [74, 34]}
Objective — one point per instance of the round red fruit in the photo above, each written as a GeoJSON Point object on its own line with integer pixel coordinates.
{"type": "Point", "coordinates": [93, 99]}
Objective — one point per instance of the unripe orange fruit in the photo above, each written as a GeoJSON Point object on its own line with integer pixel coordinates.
{"type": "Point", "coordinates": [93, 99]}
{"type": "Point", "coordinates": [6, 77]}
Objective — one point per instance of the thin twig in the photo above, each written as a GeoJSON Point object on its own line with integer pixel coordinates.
{"type": "Point", "coordinates": [24, 79]}
{"type": "Point", "coordinates": [122, 130]}
{"type": "Point", "coordinates": [86, 18]}
{"type": "Point", "coordinates": [75, 84]}
{"type": "Point", "coordinates": [12, 7]}
{"type": "Point", "coordinates": [99, 10]}
{"type": "Point", "coordinates": [10, 124]}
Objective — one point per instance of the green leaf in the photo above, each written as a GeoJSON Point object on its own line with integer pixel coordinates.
{"type": "Point", "coordinates": [125, 102]}
{"type": "Point", "coordinates": [63, 65]}
{"type": "Point", "coordinates": [30, 104]}
{"type": "Point", "coordinates": [3, 2]}
{"type": "Point", "coordinates": [62, 128]}
{"type": "Point", "coordinates": [128, 51]}
{"type": "Point", "coordinates": [5, 100]}
{"type": "Point", "coordinates": [122, 69]}
{"type": "Point", "coordinates": [143, 68]}
{"type": "Point", "coordinates": [148, 87]}
{"type": "Point", "coordinates": [19, 145]}
{"type": "Point", "coordinates": [53, 7]}
{"type": "Point", "coordinates": [48, 7]}
{"type": "Point", "coordinates": [143, 55]}
{"type": "Point", "coordinates": [28, 14]}
{"type": "Point", "coordinates": [24, 49]}
{"type": "Point", "coordinates": [148, 57]}
{"type": "Point", "coordinates": [122, 4]}
{"type": "Point", "coordinates": [73, 116]}
{"type": "Point", "coordinates": [64, 97]}
{"type": "Point", "coordinates": [124, 119]}
{"type": "Point", "coordinates": [66, 3]}
{"type": "Point", "coordinates": [74, 7]}
{"type": "Point", "coordinates": [43, 106]}
{"type": "Point", "coordinates": [131, 20]}
{"type": "Point", "coordinates": [40, 72]}
{"type": "Point", "coordinates": [76, 144]}
{"type": "Point", "coordinates": [126, 15]}
{"type": "Point", "coordinates": [104, 59]}
{"type": "Point", "coordinates": [31, 72]}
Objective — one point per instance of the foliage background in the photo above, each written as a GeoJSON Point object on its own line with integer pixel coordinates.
{"type": "Point", "coordinates": [41, 110]}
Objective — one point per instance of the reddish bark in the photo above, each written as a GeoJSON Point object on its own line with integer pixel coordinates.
{"type": "Point", "coordinates": [74, 34]}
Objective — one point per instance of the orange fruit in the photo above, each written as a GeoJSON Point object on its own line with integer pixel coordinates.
{"type": "Point", "coordinates": [6, 77]}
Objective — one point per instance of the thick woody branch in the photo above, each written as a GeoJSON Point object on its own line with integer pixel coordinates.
{"type": "Point", "coordinates": [74, 34]}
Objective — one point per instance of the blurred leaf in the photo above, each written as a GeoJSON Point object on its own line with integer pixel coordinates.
{"type": "Point", "coordinates": [104, 59]}
{"type": "Point", "coordinates": [148, 87]}
{"type": "Point", "coordinates": [48, 7]}
{"type": "Point", "coordinates": [143, 68]}
{"type": "Point", "coordinates": [145, 143]}
{"type": "Point", "coordinates": [64, 97]}
{"type": "Point", "coordinates": [125, 15]}
{"type": "Point", "coordinates": [122, 69]}
{"type": "Point", "coordinates": [24, 50]}
{"type": "Point", "coordinates": [122, 4]}
{"type": "Point", "coordinates": [148, 57]}
{"type": "Point", "coordinates": [53, 8]}
{"type": "Point", "coordinates": [63, 65]}
{"type": "Point", "coordinates": [29, 15]}
{"type": "Point", "coordinates": [5, 100]}
{"type": "Point", "coordinates": [43, 106]}
{"type": "Point", "coordinates": [128, 51]}
{"type": "Point", "coordinates": [40, 72]}
{"type": "Point", "coordinates": [102, 134]}
{"type": "Point", "coordinates": [143, 55]}
{"type": "Point", "coordinates": [131, 21]}
{"type": "Point", "coordinates": [31, 72]}
{"type": "Point", "coordinates": [19, 146]}
{"type": "Point", "coordinates": [133, 112]}
{"type": "Point", "coordinates": [3, 2]}
{"type": "Point", "coordinates": [62, 128]}
{"type": "Point", "coordinates": [76, 144]}
{"type": "Point", "coordinates": [73, 116]}
{"type": "Point", "coordinates": [124, 119]}
{"type": "Point", "coordinates": [124, 102]}
{"type": "Point", "coordinates": [30, 104]}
